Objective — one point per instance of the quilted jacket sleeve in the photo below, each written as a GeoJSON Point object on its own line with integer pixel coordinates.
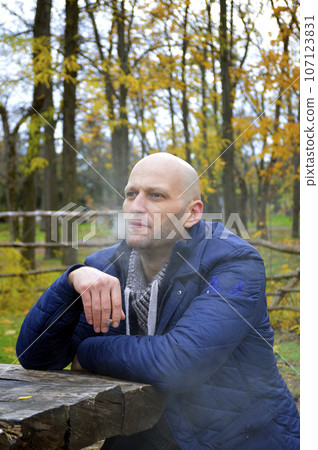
{"type": "Point", "coordinates": [54, 327]}
{"type": "Point", "coordinates": [45, 339]}
{"type": "Point", "coordinates": [216, 321]}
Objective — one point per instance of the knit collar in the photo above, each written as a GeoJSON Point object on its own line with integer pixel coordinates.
{"type": "Point", "coordinates": [142, 296]}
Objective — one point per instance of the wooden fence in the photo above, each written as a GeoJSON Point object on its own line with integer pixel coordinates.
{"type": "Point", "coordinates": [273, 305]}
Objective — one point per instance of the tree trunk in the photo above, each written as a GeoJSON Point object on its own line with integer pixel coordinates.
{"type": "Point", "coordinates": [12, 181]}
{"type": "Point", "coordinates": [41, 29]}
{"type": "Point", "coordinates": [170, 96]}
{"type": "Point", "coordinates": [185, 105]}
{"type": "Point", "coordinates": [172, 118]}
{"type": "Point", "coordinates": [28, 227]}
{"type": "Point", "coordinates": [119, 120]}
{"type": "Point", "coordinates": [69, 109]}
{"type": "Point", "coordinates": [204, 122]}
{"type": "Point", "coordinates": [261, 204]}
{"type": "Point", "coordinates": [296, 188]}
{"type": "Point", "coordinates": [227, 115]}
{"type": "Point", "coordinates": [251, 203]}
{"type": "Point", "coordinates": [212, 205]}
{"type": "Point", "coordinates": [10, 142]}
{"type": "Point", "coordinates": [296, 198]}
{"type": "Point", "coordinates": [50, 192]}
{"type": "Point", "coordinates": [243, 201]}
{"type": "Point", "coordinates": [50, 188]}
{"type": "Point", "coordinates": [140, 120]}
{"type": "Point", "coordinates": [212, 51]}
{"type": "Point", "coordinates": [120, 136]}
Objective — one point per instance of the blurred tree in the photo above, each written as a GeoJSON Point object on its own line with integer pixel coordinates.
{"type": "Point", "coordinates": [288, 23]}
{"type": "Point", "coordinates": [10, 172]}
{"type": "Point", "coordinates": [71, 49]}
{"type": "Point", "coordinates": [231, 72]}
{"type": "Point", "coordinates": [33, 163]}
{"type": "Point", "coordinates": [49, 192]}
{"type": "Point", "coordinates": [184, 89]}
{"type": "Point", "coordinates": [115, 70]}
{"type": "Point", "coordinates": [227, 115]}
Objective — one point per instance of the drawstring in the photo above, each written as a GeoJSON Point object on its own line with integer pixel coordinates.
{"type": "Point", "coordinates": [152, 314]}
{"type": "Point", "coordinates": [127, 295]}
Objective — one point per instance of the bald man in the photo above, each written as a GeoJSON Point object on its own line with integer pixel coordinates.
{"type": "Point", "coordinates": [170, 307]}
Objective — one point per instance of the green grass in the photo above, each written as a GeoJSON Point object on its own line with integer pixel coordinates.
{"type": "Point", "coordinates": [279, 220]}
{"type": "Point", "coordinates": [288, 361]}
{"type": "Point", "coordinates": [275, 220]}
{"type": "Point", "coordinates": [4, 232]}
{"type": "Point", "coordinates": [10, 324]}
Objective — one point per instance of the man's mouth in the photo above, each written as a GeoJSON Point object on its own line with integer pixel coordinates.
{"type": "Point", "coordinates": [137, 224]}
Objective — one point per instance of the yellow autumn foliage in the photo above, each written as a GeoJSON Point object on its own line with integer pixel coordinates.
{"type": "Point", "coordinates": [19, 293]}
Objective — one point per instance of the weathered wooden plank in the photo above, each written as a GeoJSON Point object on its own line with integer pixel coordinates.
{"type": "Point", "coordinates": [70, 410]}
{"type": "Point", "coordinates": [142, 409]}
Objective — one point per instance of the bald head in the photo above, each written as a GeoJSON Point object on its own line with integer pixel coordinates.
{"type": "Point", "coordinates": [174, 170]}
{"type": "Point", "coordinates": [162, 191]}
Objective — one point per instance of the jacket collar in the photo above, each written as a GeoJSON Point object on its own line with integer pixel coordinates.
{"type": "Point", "coordinates": [186, 255]}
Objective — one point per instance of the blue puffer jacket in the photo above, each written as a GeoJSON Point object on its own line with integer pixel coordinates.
{"type": "Point", "coordinates": [212, 351]}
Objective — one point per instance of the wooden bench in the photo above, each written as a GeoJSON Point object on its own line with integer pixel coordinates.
{"type": "Point", "coordinates": [71, 410]}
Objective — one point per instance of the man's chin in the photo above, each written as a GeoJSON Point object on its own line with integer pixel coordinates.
{"type": "Point", "coordinates": [139, 241]}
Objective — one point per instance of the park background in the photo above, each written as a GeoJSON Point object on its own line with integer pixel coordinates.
{"type": "Point", "coordinates": [89, 87]}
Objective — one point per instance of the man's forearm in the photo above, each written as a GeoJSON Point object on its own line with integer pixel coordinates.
{"type": "Point", "coordinates": [45, 339]}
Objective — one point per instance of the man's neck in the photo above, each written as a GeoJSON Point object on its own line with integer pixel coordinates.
{"type": "Point", "coordinates": [152, 261]}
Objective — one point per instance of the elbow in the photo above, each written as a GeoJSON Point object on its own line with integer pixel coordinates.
{"type": "Point", "coordinates": [26, 364]}
{"type": "Point", "coordinates": [166, 386]}
{"type": "Point", "coordinates": [31, 364]}
{"type": "Point", "coordinates": [37, 360]}
{"type": "Point", "coordinates": [170, 382]}
{"type": "Point", "coordinates": [23, 355]}
{"type": "Point", "coordinates": [26, 361]}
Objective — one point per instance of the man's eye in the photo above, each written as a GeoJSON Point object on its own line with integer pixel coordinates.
{"type": "Point", "coordinates": [130, 194]}
{"type": "Point", "coordinates": [156, 195]}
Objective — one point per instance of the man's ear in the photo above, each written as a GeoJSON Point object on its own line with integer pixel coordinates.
{"type": "Point", "coordinates": [195, 209]}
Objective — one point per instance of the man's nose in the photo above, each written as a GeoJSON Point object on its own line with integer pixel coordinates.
{"type": "Point", "coordinates": [139, 203]}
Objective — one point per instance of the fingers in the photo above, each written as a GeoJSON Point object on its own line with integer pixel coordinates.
{"type": "Point", "coordinates": [105, 311]}
{"type": "Point", "coordinates": [87, 304]}
{"type": "Point", "coordinates": [116, 304]}
{"type": "Point", "coordinates": [96, 309]}
{"type": "Point", "coordinates": [101, 297]}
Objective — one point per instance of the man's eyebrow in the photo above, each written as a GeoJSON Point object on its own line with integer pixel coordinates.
{"type": "Point", "coordinates": [129, 187]}
{"type": "Point", "coordinates": [150, 188]}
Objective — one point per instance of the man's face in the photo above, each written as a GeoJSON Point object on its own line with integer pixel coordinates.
{"type": "Point", "coordinates": [151, 193]}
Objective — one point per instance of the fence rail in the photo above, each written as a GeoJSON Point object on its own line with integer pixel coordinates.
{"type": "Point", "coordinates": [278, 247]}
{"type": "Point", "coordinates": [59, 213]}
{"type": "Point", "coordinates": [102, 243]}
{"type": "Point", "coordinates": [33, 272]}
